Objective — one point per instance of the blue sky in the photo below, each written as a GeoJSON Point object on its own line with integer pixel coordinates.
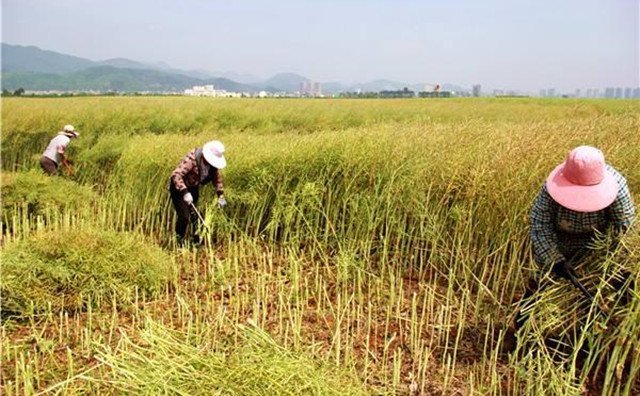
{"type": "Point", "coordinates": [517, 44]}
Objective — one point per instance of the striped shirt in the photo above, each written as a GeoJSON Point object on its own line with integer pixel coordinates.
{"type": "Point", "coordinates": [558, 233]}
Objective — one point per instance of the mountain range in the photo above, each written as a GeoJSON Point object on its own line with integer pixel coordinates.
{"type": "Point", "coordinates": [32, 68]}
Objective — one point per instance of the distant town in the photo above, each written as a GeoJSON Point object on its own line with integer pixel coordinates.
{"type": "Point", "coordinates": [312, 89]}
{"type": "Point", "coordinates": [31, 71]}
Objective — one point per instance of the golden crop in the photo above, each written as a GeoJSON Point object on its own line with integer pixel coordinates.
{"type": "Point", "coordinates": [369, 246]}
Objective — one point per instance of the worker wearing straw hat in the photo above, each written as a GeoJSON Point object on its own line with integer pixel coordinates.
{"type": "Point", "coordinates": [582, 197]}
{"type": "Point", "coordinates": [199, 167]}
{"type": "Point", "coordinates": [54, 154]}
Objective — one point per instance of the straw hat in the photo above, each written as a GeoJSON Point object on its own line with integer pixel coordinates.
{"type": "Point", "coordinates": [213, 152]}
{"type": "Point", "coordinates": [582, 182]}
{"type": "Point", "coordinates": [69, 129]}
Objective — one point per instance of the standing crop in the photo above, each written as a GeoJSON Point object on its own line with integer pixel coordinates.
{"type": "Point", "coordinates": [380, 243]}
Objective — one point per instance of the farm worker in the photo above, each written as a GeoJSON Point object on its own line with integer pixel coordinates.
{"type": "Point", "coordinates": [199, 167]}
{"type": "Point", "coordinates": [54, 155]}
{"type": "Point", "coordinates": [582, 196]}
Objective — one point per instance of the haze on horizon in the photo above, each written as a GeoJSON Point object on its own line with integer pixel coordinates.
{"type": "Point", "coordinates": [524, 45]}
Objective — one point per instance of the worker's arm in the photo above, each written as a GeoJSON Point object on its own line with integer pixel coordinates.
{"type": "Point", "coordinates": [542, 230]}
{"type": "Point", "coordinates": [64, 160]}
{"type": "Point", "coordinates": [217, 182]}
{"type": "Point", "coordinates": [61, 151]}
{"type": "Point", "coordinates": [187, 164]}
{"type": "Point", "coordinates": [622, 211]}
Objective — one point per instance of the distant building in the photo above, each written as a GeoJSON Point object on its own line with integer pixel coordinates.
{"type": "Point", "coordinates": [609, 92]}
{"type": "Point", "coordinates": [477, 90]}
{"type": "Point", "coordinates": [636, 93]}
{"type": "Point", "coordinates": [628, 93]}
{"type": "Point", "coordinates": [618, 94]}
{"type": "Point", "coordinates": [200, 90]}
{"type": "Point", "coordinates": [310, 88]}
{"type": "Point", "coordinates": [305, 86]}
{"type": "Point", "coordinates": [551, 93]}
{"type": "Point", "coordinates": [208, 90]}
{"type": "Point", "coordinates": [543, 93]}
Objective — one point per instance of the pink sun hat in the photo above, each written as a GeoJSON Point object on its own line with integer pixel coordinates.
{"type": "Point", "coordinates": [582, 182]}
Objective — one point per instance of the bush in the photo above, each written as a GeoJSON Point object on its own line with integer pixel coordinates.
{"type": "Point", "coordinates": [69, 269]}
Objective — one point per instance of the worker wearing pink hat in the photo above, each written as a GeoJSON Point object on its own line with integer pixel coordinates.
{"type": "Point", "coordinates": [583, 183]}
{"type": "Point", "coordinates": [583, 196]}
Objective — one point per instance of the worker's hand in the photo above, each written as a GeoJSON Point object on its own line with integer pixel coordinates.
{"type": "Point", "coordinates": [188, 198]}
{"type": "Point", "coordinates": [222, 202]}
{"type": "Point", "coordinates": [561, 269]}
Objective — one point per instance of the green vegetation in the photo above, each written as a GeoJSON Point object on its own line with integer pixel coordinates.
{"type": "Point", "coordinates": [73, 268]}
{"type": "Point", "coordinates": [33, 196]}
{"type": "Point", "coordinates": [381, 241]}
{"type": "Point", "coordinates": [102, 78]}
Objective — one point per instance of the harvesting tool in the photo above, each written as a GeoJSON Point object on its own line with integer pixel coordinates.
{"type": "Point", "coordinates": [200, 218]}
{"type": "Point", "coordinates": [571, 276]}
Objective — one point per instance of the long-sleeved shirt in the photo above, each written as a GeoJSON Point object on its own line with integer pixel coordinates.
{"type": "Point", "coordinates": [194, 171]}
{"type": "Point", "coordinates": [558, 233]}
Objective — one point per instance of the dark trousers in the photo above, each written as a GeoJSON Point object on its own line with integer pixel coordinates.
{"type": "Point", "coordinates": [48, 165]}
{"type": "Point", "coordinates": [184, 214]}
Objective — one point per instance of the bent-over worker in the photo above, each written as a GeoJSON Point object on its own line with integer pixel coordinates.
{"type": "Point", "coordinates": [199, 167]}
{"type": "Point", "coordinates": [582, 197]}
{"type": "Point", "coordinates": [54, 154]}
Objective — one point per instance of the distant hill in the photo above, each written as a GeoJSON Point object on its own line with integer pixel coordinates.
{"type": "Point", "coordinates": [333, 87]}
{"type": "Point", "coordinates": [289, 82]}
{"type": "Point", "coordinates": [109, 78]}
{"type": "Point", "coordinates": [16, 58]}
{"type": "Point", "coordinates": [125, 63]}
{"type": "Point", "coordinates": [230, 85]}
{"type": "Point", "coordinates": [33, 59]}
{"type": "Point", "coordinates": [239, 77]}
{"type": "Point", "coordinates": [33, 68]}
{"type": "Point", "coordinates": [102, 78]}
